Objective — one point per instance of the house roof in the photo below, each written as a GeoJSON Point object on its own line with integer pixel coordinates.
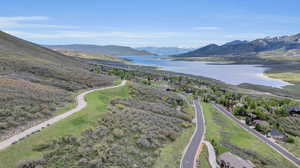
{"type": "Point", "coordinates": [276, 132]}
{"type": "Point", "coordinates": [294, 109]}
{"type": "Point", "coordinates": [235, 161]}
{"type": "Point", "coordinates": [261, 122]}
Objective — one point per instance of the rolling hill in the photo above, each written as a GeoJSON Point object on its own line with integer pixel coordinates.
{"type": "Point", "coordinates": [79, 54]}
{"type": "Point", "coordinates": [112, 50]}
{"type": "Point", "coordinates": [34, 81]}
{"type": "Point", "coordinates": [165, 50]}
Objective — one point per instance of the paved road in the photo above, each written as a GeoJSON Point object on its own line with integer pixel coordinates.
{"type": "Point", "coordinates": [81, 103]}
{"type": "Point", "coordinates": [275, 146]}
{"type": "Point", "coordinates": [192, 150]}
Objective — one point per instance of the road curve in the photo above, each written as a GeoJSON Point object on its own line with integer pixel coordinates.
{"type": "Point", "coordinates": [191, 152]}
{"type": "Point", "coordinates": [81, 103]}
{"type": "Point", "coordinates": [275, 146]}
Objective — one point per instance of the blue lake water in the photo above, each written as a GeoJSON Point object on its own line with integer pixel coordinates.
{"type": "Point", "coordinates": [231, 74]}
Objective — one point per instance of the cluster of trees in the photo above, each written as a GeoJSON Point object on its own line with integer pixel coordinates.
{"type": "Point", "coordinates": [263, 112]}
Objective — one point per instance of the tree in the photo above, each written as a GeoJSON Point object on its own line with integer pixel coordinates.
{"type": "Point", "coordinates": [290, 140]}
{"type": "Point", "coordinates": [240, 111]}
{"type": "Point", "coordinates": [263, 127]}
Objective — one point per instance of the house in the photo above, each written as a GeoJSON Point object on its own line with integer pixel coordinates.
{"type": "Point", "coordinates": [229, 160]}
{"type": "Point", "coordinates": [203, 87]}
{"type": "Point", "coordinates": [276, 134]}
{"type": "Point", "coordinates": [294, 110]}
{"type": "Point", "coordinates": [188, 90]}
{"type": "Point", "coordinates": [260, 122]}
{"type": "Point", "coordinates": [239, 105]}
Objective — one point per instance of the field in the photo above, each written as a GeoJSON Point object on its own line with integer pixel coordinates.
{"type": "Point", "coordinates": [75, 124]}
{"type": "Point", "coordinates": [293, 147]}
{"type": "Point", "coordinates": [293, 77]}
{"type": "Point", "coordinates": [91, 56]}
{"type": "Point", "coordinates": [228, 136]}
{"type": "Point", "coordinates": [289, 74]}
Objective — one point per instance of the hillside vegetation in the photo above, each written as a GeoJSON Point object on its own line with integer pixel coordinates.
{"type": "Point", "coordinates": [34, 81]}
{"type": "Point", "coordinates": [97, 107]}
{"type": "Point", "coordinates": [131, 134]}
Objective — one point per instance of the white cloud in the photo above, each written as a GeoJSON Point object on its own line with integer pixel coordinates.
{"type": "Point", "coordinates": [83, 34]}
{"type": "Point", "coordinates": [25, 22]}
{"type": "Point", "coordinates": [23, 18]}
{"type": "Point", "coordinates": [207, 28]}
{"type": "Point", "coordinates": [241, 36]}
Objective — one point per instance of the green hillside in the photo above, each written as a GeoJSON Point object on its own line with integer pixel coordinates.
{"type": "Point", "coordinates": [35, 80]}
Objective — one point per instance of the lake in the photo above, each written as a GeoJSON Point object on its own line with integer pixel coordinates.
{"type": "Point", "coordinates": [228, 73]}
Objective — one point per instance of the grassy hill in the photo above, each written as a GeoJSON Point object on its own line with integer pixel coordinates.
{"type": "Point", "coordinates": [112, 50]}
{"type": "Point", "coordinates": [34, 81]}
{"type": "Point", "coordinates": [79, 54]}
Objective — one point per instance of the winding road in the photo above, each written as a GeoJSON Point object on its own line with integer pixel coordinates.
{"type": "Point", "coordinates": [264, 139]}
{"type": "Point", "coordinates": [191, 152]}
{"type": "Point", "coordinates": [81, 103]}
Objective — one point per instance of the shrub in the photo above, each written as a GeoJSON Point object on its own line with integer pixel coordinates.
{"type": "Point", "coordinates": [290, 140]}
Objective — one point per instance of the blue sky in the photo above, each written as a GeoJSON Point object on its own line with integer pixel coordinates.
{"type": "Point", "coordinates": [183, 23]}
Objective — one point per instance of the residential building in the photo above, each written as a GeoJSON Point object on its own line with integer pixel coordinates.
{"type": "Point", "coordinates": [229, 160]}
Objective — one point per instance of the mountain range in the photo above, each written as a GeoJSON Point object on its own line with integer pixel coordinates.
{"type": "Point", "coordinates": [112, 50]}
{"type": "Point", "coordinates": [165, 50]}
{"type": "Point", "coordinates": [246, 48]}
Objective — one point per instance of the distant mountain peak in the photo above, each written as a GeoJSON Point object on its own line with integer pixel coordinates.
{"type": "Point", "coordinates": [239, 47]}
{"type": "Point", "coordinates": [236, 42]}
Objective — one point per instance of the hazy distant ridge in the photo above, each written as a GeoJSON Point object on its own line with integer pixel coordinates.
{"type": "Point", "coordinates": [112, 50]}
{"type": "Point", "coordinates": [165, 50]}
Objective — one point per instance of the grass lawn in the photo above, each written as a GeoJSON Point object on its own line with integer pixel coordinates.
{"type": "Point", "coordinates": [293, 77]}
{"type": "Point", "coordinates": [293, 147]}
{"type": "Point", "coordinates": [229, 136]}
{"type": "Point", "coordinates": [74, 124]}
{"type": "Point", "coordinates": [202, 161]}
